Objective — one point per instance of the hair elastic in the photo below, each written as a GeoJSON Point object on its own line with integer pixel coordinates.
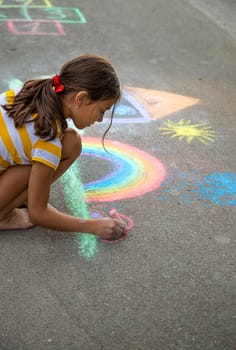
{"type": "Point", "coordinates": [57, 84]}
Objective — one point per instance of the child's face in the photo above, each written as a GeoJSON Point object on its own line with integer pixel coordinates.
{"type": "Point", "coordinates": [85, 112]}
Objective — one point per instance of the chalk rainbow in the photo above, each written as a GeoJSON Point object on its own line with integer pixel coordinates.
{"type": "Point", "coordinates": [134, 172]}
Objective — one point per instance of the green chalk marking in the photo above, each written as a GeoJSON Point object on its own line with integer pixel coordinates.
{"type": "Point", "coordinates": [15, 84]}
{"type": "Point", "coordinates": [76, 200]}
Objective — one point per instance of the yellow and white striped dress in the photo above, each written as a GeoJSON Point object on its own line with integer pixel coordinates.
{"type": "Point", "coordinates": [20, 146]}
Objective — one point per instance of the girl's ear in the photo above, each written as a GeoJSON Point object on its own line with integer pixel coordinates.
{"type": "Point", "coordinates": [81, 98]}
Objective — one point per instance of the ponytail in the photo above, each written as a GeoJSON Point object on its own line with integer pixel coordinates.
{"type": "Point", "coordinates": [38, 97]}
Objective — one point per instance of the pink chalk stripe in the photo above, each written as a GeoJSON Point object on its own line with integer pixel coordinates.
{"type": "Point", "coordinates": [35, 24]}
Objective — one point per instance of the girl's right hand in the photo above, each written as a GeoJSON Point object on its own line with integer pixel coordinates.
{"type": "Point", "coordinates": [108, 228]}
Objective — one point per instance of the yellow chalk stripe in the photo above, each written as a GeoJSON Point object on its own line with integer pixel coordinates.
{"type": "Point", "coordinates": [31, 2]}
{"type": "Point", "coordinates": [48, 3]}
{"type": "Point", "coordinates": [6, 139]}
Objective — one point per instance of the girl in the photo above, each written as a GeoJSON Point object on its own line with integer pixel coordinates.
{"type": "Point", "coordinates": [37, 147]}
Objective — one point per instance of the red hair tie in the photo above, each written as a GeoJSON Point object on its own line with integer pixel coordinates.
{"type": "Point", "coordinates": [57, 84]}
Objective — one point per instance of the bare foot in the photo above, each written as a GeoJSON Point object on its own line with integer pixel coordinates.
{"type": "Point", "coordinates": [17, 219]}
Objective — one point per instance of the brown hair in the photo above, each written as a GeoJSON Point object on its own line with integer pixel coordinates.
{"type": "Point", "coordinates": [91, 73]}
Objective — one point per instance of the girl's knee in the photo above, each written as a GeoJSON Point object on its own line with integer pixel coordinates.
{"type": "Point", "coordinates": [71, 143]}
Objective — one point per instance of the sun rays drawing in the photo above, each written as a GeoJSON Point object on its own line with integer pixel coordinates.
{"type": "Point", "coordinates": [184, 129]}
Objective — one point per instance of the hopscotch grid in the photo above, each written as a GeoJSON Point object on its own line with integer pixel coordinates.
{"type": "Point", "coordinates": [28, 11]}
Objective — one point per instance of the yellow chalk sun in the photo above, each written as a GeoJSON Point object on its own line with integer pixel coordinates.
{"type": "Point", "coordinates": [183, 129]}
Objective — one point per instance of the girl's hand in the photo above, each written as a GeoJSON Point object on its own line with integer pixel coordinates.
{"type": "Point", "coordinates": [107, 228]}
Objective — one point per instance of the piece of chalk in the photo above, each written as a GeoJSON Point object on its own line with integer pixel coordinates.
{"type": "Point", "coordinates": [114, 215]}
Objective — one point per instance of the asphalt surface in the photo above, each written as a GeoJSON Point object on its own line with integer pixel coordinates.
{"type": "Point", "coordinates": [171, 173]}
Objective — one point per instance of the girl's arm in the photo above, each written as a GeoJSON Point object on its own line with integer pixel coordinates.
{"type": "Point", "coordinates": [43, 215]}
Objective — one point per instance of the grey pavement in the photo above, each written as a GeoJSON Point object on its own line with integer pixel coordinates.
{"type": "Point", "coordinates": [171, 171]}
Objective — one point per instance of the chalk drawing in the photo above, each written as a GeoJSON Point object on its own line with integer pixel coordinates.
{"type": "Point", "coordinates": [134, 173]}
{"type": "Point", "coordinates": [41, 18]}
{"type": "Point", "coordinates": [129, 110]}
{"type": "Point", "coordinates": [217, 188]}
{"type": "Point", "coordinates": [14, 84]}
{"type": "Point", "coordinates": [185, 130]}
{"type": "Point", "coordinates": [122, 110]}
{"type": "Point", "coordinates": [75, 199]}
{"type": "Point", "coordinates": [159, 104]}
